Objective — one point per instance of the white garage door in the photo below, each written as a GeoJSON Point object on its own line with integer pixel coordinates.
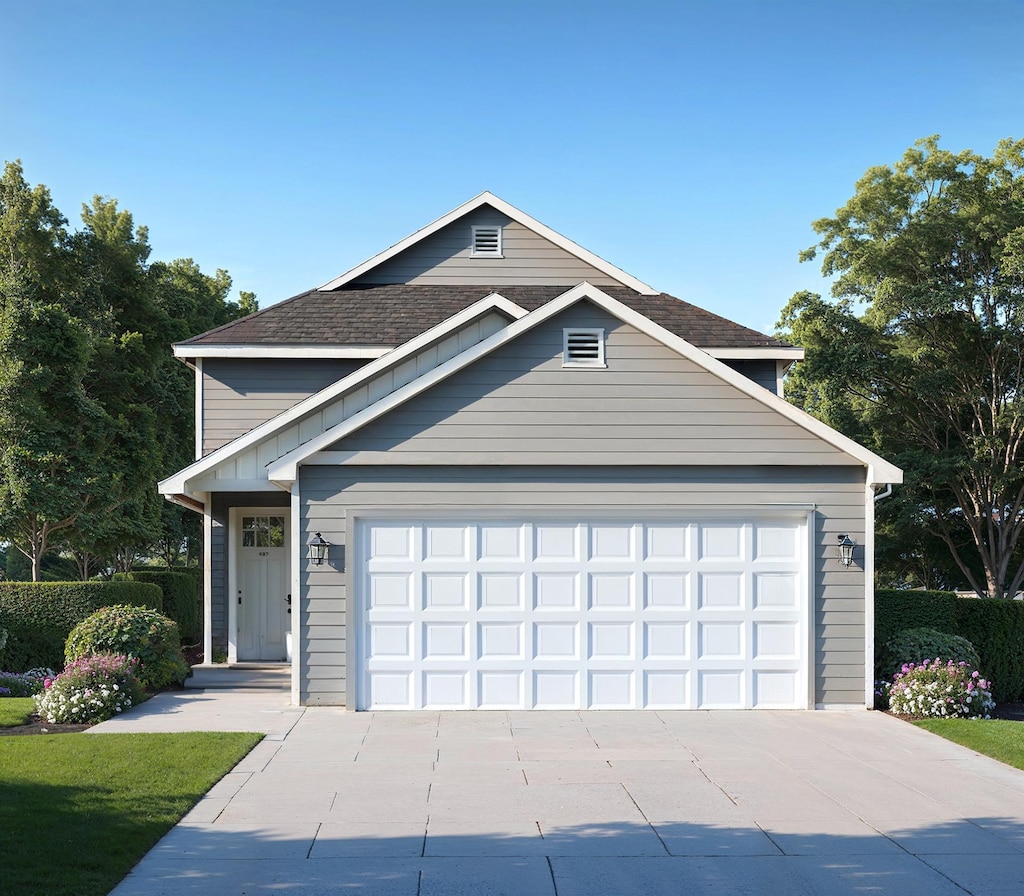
{"type": "Point", "coordinates": [549, 614]}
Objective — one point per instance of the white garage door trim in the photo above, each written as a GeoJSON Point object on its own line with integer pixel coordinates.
{"type": "Point", "coordinates": [540, 612]}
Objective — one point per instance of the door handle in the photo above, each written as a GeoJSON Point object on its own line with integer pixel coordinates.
{"type": "Point", "coordinates": [239, 598]}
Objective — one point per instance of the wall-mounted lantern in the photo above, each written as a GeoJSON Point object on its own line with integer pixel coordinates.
{"type": "Point", "coordinates": [846, 546]}
{"type": "Point", "coordinates": [318, 549]}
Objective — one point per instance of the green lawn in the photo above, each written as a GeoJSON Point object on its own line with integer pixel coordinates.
{"type": "Point", "coordinates": [16, 711]}
{"type": "Point", "coordinates": [999, 738]}
{"type": "Point", "coordinates": [79, 810]}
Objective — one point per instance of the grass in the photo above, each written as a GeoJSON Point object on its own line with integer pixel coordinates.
{"type": "Point", "coordinates": [79, 810]}
{"type": "Point", "coordinates": [16, 711]}
{"type": "Point", "coordinates": [999, 738]}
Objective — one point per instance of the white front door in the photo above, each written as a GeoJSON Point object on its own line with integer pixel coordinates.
{"type": "Point", "coordinates": [262, 584]}
{"type": "Point", "coordinates": [584, 614]}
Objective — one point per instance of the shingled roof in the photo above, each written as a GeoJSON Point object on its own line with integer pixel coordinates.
{"type": "Point", "coordinates": [392, 314]}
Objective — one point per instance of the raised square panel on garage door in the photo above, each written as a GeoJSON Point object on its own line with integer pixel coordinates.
{"type": "Point", "coordinates": [667, 541]}
{"type": "Point", "coordinates": [500, 541]}
{"type": "Point", "coordinates": [555, 541]}
{"type": "Point", "coordinates": [775, 542]}
{"type": "Point", "coordinates": [611, 542]}
{"type": "Point", "coordinates": [441, 542]}
{"type": "Point", "coordinates": [391, 541]}
{"type": "Point", "coordinates": [721, 542]}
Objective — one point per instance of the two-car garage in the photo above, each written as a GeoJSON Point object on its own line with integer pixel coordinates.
{"type": "Point", "coordinates": [548, 612]}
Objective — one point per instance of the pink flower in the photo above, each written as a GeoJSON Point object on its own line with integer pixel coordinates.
{"type": "Point", "coordinates": [47, 682]}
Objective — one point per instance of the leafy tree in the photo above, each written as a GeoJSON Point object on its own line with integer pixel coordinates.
{"type": "Point", "coordinates": [93, 407]}
{"type": "Point", "coordinates": [921, 352]}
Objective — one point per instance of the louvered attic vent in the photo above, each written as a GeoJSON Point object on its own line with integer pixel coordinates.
{"type": "Point", "coordinates": [487, 241]}
{"type": "Point", "coordinates": [583, 348]}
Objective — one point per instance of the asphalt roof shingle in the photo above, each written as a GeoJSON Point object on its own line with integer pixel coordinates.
{"type": "Point", "coordinates": [392, 314]}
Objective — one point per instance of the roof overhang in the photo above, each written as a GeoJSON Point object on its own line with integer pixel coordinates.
{"type": "Point", "coordinates": [187, 350]}
{"type": "Point", "coordinates": [757, 353]}
{"type": "Point", "coordinates": [515, 214]}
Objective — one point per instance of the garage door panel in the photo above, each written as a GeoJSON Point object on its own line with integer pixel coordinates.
{"type": "Point", "coordinates": [500, 591]}
{"type": "Point", "coordinates": [444, 591]}
{"type": "Point", "coordinates": [776, 589]}
{"type": "Point", "coordinates": [391, 591]}
{"type": "Point", "coordinates": [721, 688]}
{"type": "Point", "coordinates": [668, 689]}
{"type": "Point", "coordinates": [556, 591]}
{"type": "Point", "coordinates": [500, 689]}
{"type": "Point", "coordinates": [556, 614]}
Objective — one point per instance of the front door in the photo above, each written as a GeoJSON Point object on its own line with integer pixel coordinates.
{"type": "Point", "coordinates": [262, 585]}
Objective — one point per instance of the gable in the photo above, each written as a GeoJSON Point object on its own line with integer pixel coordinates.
{"type": "Point", "coordinates": [519, 405]}
{"type": "Point", "coordinates": [446, 257]}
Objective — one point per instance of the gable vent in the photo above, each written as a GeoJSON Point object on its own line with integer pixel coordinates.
{"type": "Point", "coordinates": [487, 241]}
{"type": "Point", "coordinates": [583, 348]}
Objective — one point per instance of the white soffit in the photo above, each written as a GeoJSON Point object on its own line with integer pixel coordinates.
{"type": "Point", "coordinates": [284, 469]}
{"type": "Point", "coordinates": [515, 214]}
{"type": "Point", "coordinates": [757, 353]}
{"type": "Point", "coordinates": [177, 484]}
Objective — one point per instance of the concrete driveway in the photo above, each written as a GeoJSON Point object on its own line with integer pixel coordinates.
{"type": "Point", "coordinates": [583, 804]}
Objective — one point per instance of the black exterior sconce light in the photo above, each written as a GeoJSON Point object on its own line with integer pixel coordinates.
{"type": "Point", "coordinates": [846, 546]}
{"type": "Point", "coordinates": [318, 550]}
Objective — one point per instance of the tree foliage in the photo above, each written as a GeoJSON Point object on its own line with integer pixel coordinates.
{"type": "Point", "coordinates": [920, 353]}
{"type": "Point", "coordinates": [93, 407]}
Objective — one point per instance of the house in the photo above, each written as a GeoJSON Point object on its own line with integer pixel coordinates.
{"type": "Point", "coordinates": [540, 483]}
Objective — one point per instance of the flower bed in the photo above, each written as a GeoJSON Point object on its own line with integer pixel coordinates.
{"type": "Point", "coordinates": [937, 689]}
{"type": "Point", "coordinates": [91, 689]}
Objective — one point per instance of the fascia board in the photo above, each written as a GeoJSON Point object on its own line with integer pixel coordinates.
{"type": "Point", "coordinates": [286, 466]}
{"type": "Point", "coordinates": [515, 214]}
{"type": "Point", "coordinates": [253, 350]}
{"type": "Point", "coordinates": [494, 302]}
{"type": "Point", "coordinates": [757, 353]}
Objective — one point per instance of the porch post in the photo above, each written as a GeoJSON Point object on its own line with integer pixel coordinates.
{"type": "Point", "coordinates": [207, 583]}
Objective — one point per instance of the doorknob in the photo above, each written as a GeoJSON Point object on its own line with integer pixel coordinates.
{"type": "Point", "coordinates": [239, 598]}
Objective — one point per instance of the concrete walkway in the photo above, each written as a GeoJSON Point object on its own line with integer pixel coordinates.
{"type": "Point", "coordinates": [583, 804]}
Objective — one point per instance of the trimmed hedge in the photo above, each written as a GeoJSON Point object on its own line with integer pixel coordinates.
{"type": "Point", "coordinates": [181, 598]}
{"type": "Point", "coordinates": [39, 616]}
{"type": "Point", "coordinates": [994, 627]}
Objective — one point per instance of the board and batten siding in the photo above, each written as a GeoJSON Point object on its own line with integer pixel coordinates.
{"type": "Point", "coordinates": [519, 405]}
{"type": "Point", "coordinates": [445, 258]}
{"type": "Point", "coordinates": [330, 493]}
{"type": "Point", "coordinates": [241, 393]}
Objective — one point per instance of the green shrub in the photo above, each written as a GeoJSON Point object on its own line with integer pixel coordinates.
{"type": "Point", "coordinates": [994, 627]}
{"type": "Point", "coordinates": [940, 689]}
{"type": "Point", "coordinates": [91, 689]}
{"type": "Point", "coordinates": [916, 645]}
{"type": "Point", "coordinates": [144, 634]}
{"type": "Point", "coordinates": [180, 598]}
{"type": "Point", "coordinates": [39, 615]}
{"type": "Point", "coordinates": [896, 611]}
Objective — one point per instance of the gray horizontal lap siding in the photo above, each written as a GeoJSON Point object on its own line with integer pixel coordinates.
{"type": "Point", "coordinates": [445, 258]}
{"type": "Point", "coordinates": [764, 373]}
{"type": "Point", "coordinates": [329, 493]}
{"type": "Point", "coordinates": [240, 394]}
{"type": "Point", "coordinates": [519, 405]}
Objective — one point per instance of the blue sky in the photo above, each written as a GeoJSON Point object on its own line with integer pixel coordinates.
{"type": "Point", "coordinates": [689, 143]}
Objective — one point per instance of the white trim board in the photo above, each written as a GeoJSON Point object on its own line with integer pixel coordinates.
{"type": "Point", "coordinates": [186, 350]}
{"type": "Point", "coordinates": [285, 467]}
{"type": "Point", "coordinates": [515, 214]}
